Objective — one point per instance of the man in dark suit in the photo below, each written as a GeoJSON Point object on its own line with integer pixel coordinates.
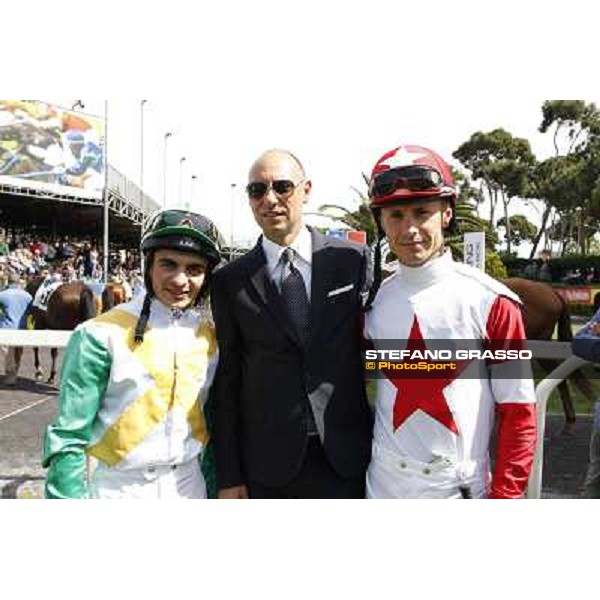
{"type": "Point", "coordinates": [291, 418]}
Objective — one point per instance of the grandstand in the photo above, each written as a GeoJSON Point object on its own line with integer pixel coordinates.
{"type": "Point", "coordinates": [26, 210]}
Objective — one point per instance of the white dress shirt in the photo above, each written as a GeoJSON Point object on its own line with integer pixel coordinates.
{"type": "Point", "coordinates": [302, 247]}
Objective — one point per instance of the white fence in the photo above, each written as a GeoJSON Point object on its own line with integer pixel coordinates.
{"type": "Point", "coordinates": [42, 338]}
{"type": "Point", "coordinates": [549, 350]}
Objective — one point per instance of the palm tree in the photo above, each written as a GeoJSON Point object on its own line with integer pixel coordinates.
{"type": "Point", "coordinates": [360, 219]}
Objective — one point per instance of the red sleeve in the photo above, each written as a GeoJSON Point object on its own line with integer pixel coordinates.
{"type": "Point", "coordinates": [504, 328]}
{"type": "Point", "coordinates": [515, 416]}
{"type": "Point", "coordinates": [515, 449]}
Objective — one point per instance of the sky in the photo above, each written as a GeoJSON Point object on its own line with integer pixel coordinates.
{"type": "Point", "coordinates": [336, 139]}
{"type": "Point", "coordinates": [337, 86]}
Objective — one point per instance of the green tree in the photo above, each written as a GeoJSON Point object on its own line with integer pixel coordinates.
{"type": "Point", "coordinates": [569, 182]}
{"type": "Point", "coordinates": [503, 164]}
{"type": "Point", "coordinates": [465, 211]}
{"type": "Point", "coordinates": [521, 229]}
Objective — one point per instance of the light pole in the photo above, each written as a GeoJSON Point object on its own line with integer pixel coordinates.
{"type": "Point", "coordinates": [180, 199]}
{"type": "Point", "coordinates": [192, 190]}
{"type": "Point", "coordinates": [105, 211]}
{"type": "Point", "coordinates": [167, 136]}
{"type": "Point", "coordinates": [233, 186]}
{"type": "Point", "coordinates": [142, 103]}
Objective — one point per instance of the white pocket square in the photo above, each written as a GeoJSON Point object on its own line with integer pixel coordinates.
{"type": "Point", "coordinates": [341, 290]}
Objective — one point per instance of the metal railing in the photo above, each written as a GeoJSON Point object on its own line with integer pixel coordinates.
{"type": "Point", "coordinates": [542, 394]}
{"type": "Point", "coordinates": [129, 191]}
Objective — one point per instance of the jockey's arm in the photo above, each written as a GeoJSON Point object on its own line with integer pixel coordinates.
{"type": "Point", "coordinates": [84, 377]}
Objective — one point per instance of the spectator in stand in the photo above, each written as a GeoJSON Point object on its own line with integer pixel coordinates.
{"type": "Point", "coordinates": [38, 262]}
{"type": "Point", "coordinates": [68, 251]}
{"type": "Point", "coordinates": [68, 272]}
{"type": "Point", "coordinates": [44, 248]}
{"type": "Point", "coordinates": [137, 284]}
{"type": "Point", "coordinates": [59, 247]}
{"type": "Point", "coordinates": [14, 307]}
{"type": "Point", "coordinates": [35, 246]}
{"type": "Point", "coordinates": [98, 272]}
{"type": "Point", "coordinates": [50, 252]}
{"type": "Point", "coordinates": [93, 257]}
{"type": "Point", "coordinates": [4, 249]}
{"type": "Point", "coordinates": [86, 261]}
{"type": "Point", "coordinates": [24, 259]}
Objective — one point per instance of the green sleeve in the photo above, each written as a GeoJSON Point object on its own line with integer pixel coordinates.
{"type": "Point", "coordinates": [207, 461]}
{"type": "Point", "coordinates": [83, 381]}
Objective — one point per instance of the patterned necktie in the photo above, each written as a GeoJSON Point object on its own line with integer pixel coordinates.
{"type": "Point", "coordinates": [295, 297]}
{"type": "Point", "coordinates": [293, 292]}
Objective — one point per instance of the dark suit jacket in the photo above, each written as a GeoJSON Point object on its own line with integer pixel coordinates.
{"type": "Point", "coordinates": [266, 376]}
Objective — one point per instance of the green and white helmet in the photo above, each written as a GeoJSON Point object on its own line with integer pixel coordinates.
{"type": "Point", "coordinates": [184, 231]}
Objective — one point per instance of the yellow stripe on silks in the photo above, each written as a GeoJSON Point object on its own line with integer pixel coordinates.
{"type": "Point", "coordinates": [156, 354]}
{"type": "Point", "coordinates": [131, 428]}
{"type": "Point", "coordinates": [200, 357]}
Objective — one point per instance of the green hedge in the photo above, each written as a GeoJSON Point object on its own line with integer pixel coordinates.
{"type": "Point", "coordinates": [559, 267]}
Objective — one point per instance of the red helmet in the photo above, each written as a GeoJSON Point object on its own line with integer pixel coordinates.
{"type": "Point", "coordinates": [407, 173]}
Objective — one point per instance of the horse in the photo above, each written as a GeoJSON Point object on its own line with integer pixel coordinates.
{"type": "Point", "coordinates": [66, 307]}
{"type": "Point", "coordinates": [544, 309]}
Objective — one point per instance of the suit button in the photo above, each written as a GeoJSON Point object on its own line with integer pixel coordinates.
{"type": "Point", "coordinates": [403, 465]}
{"type": "Point", "coordinates": [427, 471]}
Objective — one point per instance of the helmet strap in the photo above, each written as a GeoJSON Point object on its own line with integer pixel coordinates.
{"type": "Point", "coordinates": [143, 319]}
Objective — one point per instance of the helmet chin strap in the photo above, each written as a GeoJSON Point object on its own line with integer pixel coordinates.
{"type": "Point", "coordinates": [444, 226]}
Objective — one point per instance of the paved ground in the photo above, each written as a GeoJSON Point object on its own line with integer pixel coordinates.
{"type": "Point", "coordinates": [565, 457]}
{"type": "Point", "coordinates": [26, 409]}
{"type": "Point", "coordinates": [24, 412]}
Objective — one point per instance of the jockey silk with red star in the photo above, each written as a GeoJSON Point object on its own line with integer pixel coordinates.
{"type": "Point", "coordinates": [432, 434]}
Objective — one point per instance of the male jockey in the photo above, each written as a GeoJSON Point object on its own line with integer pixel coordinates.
{"type": "Point", "coordinates": [135, 379]}
{"type": "Point", "coordinates": [432, 433]}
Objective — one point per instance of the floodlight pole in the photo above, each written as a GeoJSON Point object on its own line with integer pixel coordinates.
{"type": "Point", "coordinates": [106, 211]}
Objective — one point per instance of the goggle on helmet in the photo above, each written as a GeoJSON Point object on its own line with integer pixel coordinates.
{"type": "Point", "coordinates": [408, 173]}
{"type": "Point", "coordinates": [184, 231]}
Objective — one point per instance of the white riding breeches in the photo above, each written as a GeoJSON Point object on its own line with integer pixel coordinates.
{"type": "Point", "coordinates": [153, 482]}
{"type": "Point", "coordinates": [391, 475]}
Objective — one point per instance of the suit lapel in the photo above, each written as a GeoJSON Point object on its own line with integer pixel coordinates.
{"type": "Point", "coordinates": [267, 292]}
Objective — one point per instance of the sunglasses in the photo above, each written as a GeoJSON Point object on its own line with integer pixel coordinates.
{"type": "Point", "coordinates": [415, 178]}
{"type": "Point", "coordinates": [283, 188]}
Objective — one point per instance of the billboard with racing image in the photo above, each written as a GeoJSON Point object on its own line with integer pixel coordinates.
{"type": "Point", "coordinates": [50, 148]}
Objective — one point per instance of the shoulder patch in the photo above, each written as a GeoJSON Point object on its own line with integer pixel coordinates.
{"type": "Point", "coordinates": [489, 282]}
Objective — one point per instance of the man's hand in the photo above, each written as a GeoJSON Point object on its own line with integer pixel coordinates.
{"type": "Point", "coordinates": [239, 492]}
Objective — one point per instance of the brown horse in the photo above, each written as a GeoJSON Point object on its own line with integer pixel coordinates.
{"type": "Point", "coordinates": [69, 305]}
{"type": "Point", "coordinates": [544, 309]}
